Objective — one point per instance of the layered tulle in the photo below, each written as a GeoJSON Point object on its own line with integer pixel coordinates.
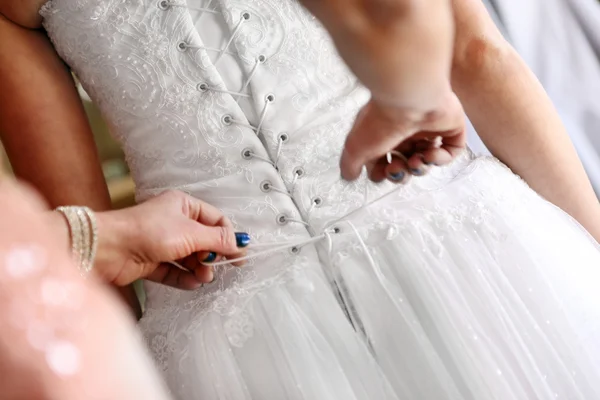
{"type": "Point", "coordinates": [483, 286]}
{"type": "Point", "coordinates": [475, 290]}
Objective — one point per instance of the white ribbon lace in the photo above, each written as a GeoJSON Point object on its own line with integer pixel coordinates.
{"type": "Point", "coordinates": [274, 247]}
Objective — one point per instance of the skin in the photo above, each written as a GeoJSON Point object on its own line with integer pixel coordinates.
{"type": "Point", "coordinates": [138, 242]}
{"type": "Point", "coordinates": [30, 61]}
{"type": "Point", "coordinates": [108, 351]}
{"type": "Point", "coordinates": [504, 100]}
{"type": "Point", "coordinates": [514, 116]}
{"type": "Point", "coordinates": [33, 67]}
{"type": "Point", "coordinates": [402, 51]}
{"type": "Point", "coordinates": [501, 96]}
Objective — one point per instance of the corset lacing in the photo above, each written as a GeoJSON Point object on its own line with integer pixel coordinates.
{"type": "Point", "coordinates": [332, 228]}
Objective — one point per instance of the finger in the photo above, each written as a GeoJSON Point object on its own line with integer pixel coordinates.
{"type": "Point", "coordinates": [239, 255]}
{"type": "Point", "coordinates": [435, 157]}
{"type": "Point", "coordinates": [169, 275]}
{"type": "Point", "coordinates": [203, 272]}
{"type": "Point", "coordinates": [454, 143]}
{"type": "Point", "coordinates": [213, 258]}
{"type": "Point", "coordinates": [207, 257]}
{"type": "Point", "coordinates": [396, 170]}
{"type": "Point", "coordinates": [217, 239]}
{"type": "Point", "coordinates": [392, 168]}
{"type": "Point", "coordinates": [373, 134]}
{"type": "Point", "coordinates": [377, 172]}
{"type": "Point", "coordinates": [207, 214]}
{"type": "Point", "coordinates": [416, 165]}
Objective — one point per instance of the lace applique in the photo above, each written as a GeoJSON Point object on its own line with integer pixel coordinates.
{"type": "Point", "coordinates": [166, 87]}
{"type": "Point", "coordinates": [239, 329]}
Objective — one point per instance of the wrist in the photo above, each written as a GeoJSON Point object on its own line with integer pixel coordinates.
{"type": "Point", "coordinates": [113, 237]}
{"type": "Point", "coordinates": [476, 57]}
{"type": "Point", "coordinates": [413, 116]}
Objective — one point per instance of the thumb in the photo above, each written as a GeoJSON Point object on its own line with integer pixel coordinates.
{"type": "Point", "coordinates": [218, 239]}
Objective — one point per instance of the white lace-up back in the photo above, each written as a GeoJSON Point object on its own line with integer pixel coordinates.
{"type": "Point", "coordinates": [246, 105]}
{"type": "Point", "coordinates": [243, 104]}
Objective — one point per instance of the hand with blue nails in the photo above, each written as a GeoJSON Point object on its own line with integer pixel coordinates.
{"type": "Point", "coordinates": [170, 227]}
{"type": "Point", "coordinates": [418, 141]}
{"type": "Point", "coordinates": [403, 52]}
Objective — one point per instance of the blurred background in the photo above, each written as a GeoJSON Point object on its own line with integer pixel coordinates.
{"type": "Point", "coordinates": [559, 40]}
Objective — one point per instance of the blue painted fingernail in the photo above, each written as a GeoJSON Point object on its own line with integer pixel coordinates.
{"type": "Point", "coordinates": [416, 171]}
{"type": "Point", "coordinates": [242, 239]}
{"type": "Point", "coordinates": [212, 256]}
{"type": "Point", "coordinates": [397, 176]}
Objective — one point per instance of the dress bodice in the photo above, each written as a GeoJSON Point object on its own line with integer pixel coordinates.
{"type": "Point", "coordinates": [242, 103]}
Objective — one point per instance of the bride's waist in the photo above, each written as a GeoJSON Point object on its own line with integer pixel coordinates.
{"type": "Point", "coordinates": [299, 190]}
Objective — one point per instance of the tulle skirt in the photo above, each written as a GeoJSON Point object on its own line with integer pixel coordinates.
{"type": "Point", "coordinates": [476, 290]}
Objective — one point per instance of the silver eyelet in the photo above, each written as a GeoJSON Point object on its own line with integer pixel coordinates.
{"type": "Point", "coordinates": [266, 186]}
{"type": "Point", "coordinates": [317, 201]}
{"type": "Point", "coordinates": [227, 119]}
{"type": "Point", "coordinates": [270, 98]}
{"type": "Point", "coordinates": [202, 87]}
{"type": "Point", "coordinates": [261, 59]}
{"type": "Point", "coordinates": [295, 250]}
{"type": "Point", "coordinates": [336, 230]}
{"type": "Point", "coordinates": [164, 5]}
{"type": "Point", "coordinates": [247, 154]}
{"type": "Point", "coordinates": [299, 172]}
{"type": "Point", "coordinates": [246, 15]}
{"type": "Point", "coordinates": [281, 219]}
{"type": "Point", "coordinates": [284, 137]}
{"type": "Point", "coordinates": [182, 46]}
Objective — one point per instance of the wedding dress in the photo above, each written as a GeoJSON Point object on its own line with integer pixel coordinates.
{"type": "Point", "coordinates": [463, 284]}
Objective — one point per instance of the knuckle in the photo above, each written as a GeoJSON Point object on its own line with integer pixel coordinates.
{"type": "Point", "coordinates": [227, 239]}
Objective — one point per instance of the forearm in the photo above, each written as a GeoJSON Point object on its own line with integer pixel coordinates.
{"type": "Point", "coordinates": [518, 123]}
{"type": "Point", "coordinates": [42, 123]}
{"type": "Point", "coordinates": [400, 49]}
{"type": "Point", "coordinates": [43, 126]}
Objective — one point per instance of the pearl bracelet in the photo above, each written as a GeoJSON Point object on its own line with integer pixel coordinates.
{"type": "Point", "coordinates": [83, 230]}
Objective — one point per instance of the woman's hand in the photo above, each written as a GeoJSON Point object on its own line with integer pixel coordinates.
{"type": "Point", "coordinates": [418, 141]}
{"type": "Point", "coordinates": [402, 51]}
{"type": "Point", "coordinates": [138, 242]}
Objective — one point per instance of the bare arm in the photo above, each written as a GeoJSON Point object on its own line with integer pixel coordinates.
{"type": "Point", "coordinates": [407, 42]}
{"type": "Point", "coordinates": [98, 340]}
{"type": "Point", "coordinates": [43, 126]}
{"type": "Point", "coordinates": [515, 118]}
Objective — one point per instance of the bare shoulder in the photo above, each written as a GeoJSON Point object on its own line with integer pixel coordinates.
{"type": "Point", "coordinates": [24, 13]}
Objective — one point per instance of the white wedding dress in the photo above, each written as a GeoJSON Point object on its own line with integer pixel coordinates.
{"type": "Point", "coordinates": [461, 285]}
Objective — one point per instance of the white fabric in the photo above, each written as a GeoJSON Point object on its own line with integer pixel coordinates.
{"type": "Point", "coordinates": [560, 41]}
{"type": "Point", "coordinates": [461, 285]}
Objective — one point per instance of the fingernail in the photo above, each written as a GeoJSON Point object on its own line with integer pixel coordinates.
{"type": "Point", "coordinates": [242, 239]}
{"type": "Point", "coordinates": [428, 162]}
{"type": "Point", "coordinates": [416, 171]}
{"type": "Point", "coordinates": [214, 278]}
{"type": "Point", "coordinates": [212, 256]}
{"type": "Point", "coordinates": [397, 176]}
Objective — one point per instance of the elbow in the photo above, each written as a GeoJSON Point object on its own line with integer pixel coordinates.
{"type": "Point", "coordinates": [478, 55]}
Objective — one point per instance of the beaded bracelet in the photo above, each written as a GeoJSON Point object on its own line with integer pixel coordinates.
{"type": "Point", "coordinates": [83, 230]}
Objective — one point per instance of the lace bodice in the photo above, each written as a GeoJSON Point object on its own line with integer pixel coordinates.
{"type": "Point", "coordinates": [242, 103]}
